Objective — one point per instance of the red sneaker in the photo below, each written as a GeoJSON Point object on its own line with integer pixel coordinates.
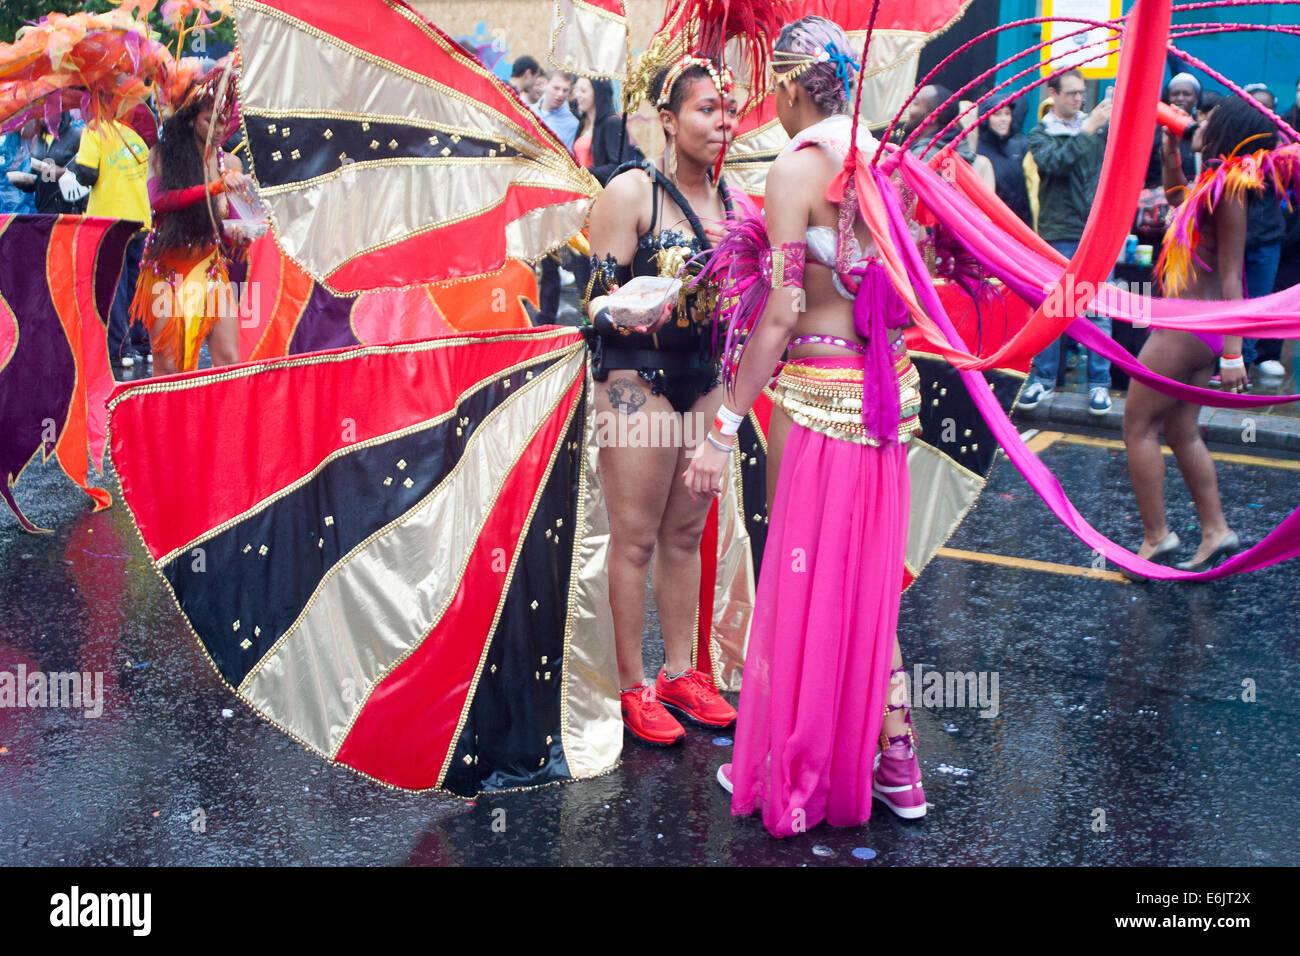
{"type": "Point", "coordinates": [695, 697]}
{"type": "Point", "coordinates": [646, 719]}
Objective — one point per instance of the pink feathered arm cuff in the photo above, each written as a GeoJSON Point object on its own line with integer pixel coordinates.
{"type": "Point", "coordinates": [746, 270]}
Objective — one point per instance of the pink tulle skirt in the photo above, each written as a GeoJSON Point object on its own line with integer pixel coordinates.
{"type": "Point", "coordinates": [822, 639]}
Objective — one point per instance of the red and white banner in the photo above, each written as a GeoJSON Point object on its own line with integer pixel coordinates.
{"type": "Point", "coordinates": [589, 37]}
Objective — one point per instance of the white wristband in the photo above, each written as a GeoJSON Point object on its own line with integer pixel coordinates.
{"type": "Point", "coordinates": [728, 422]}
{"type": "Point", "coordinates": [1238, 362]}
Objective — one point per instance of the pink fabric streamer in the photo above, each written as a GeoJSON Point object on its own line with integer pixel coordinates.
{"type": "Point", "coordinates": [1029, 275]}
{"type": "Point", "coordinates": [877, 307]}
{"type": "Point", "coordinates": [1281, 544]}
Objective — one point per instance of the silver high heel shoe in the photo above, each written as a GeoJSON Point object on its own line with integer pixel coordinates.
{"type": "Point", "coordinates": [1164, 549]}
{"type": "Point", "coordinates": [1226, 549]}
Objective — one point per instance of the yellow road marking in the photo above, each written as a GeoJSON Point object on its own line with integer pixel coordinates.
{"type": "Point", "coordinates": [1231, 458]}
{"type": "Point", "coordinates": [1029, 564]}
{"type": "Point", "coordinates": [1043, 440]}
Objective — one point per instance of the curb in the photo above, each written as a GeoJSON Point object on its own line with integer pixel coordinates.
{"type": "Point", "coordinates": [1220, 426]}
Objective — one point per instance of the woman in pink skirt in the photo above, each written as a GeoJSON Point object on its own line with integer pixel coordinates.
{"type": "Point", "coordinates": [824, 723]}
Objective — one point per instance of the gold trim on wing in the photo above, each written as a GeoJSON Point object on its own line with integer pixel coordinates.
{"type": "Point", "coordinates": [589, 43]}
{"type": "Point", "coordinates": [348, 450]}
{"type": "Point", "coordinates": [318, 246]}
{"type": "Point", "coordinates": [361, 620]}
{"type": "Point", "coordinates": [215, 377]}
{"type": "Point", "coordinates": [483, 429]}
{"type": "Point", "coordinates": [260, 715]}
{"type": "Point", "coordinates": [474, 66]}
{"type": "Point", "coordinates": [545, 220]}
{"type": "Point", "coordinates": [522, 131]}
{"type": "Point", "coordinates": [734, 587]}
{"type": "Point", "coordinates": [517, 132]}
{"type": "Point", "coordinates": [753, 417]}
{"type": "Point", "coordinates": [474, 162]}
{"type": "Point", "coordinates": [950, 491]}
{"type": "Point", "coordinates": [412, 233]}
{"type": "Point", "coordinates": [273, 13]}
{"type": "Point", "coordinates": [415, 122]}
{"type": "Point", "coordinates": [505, 589]}
{"type": "Point", "coordinates": [591, 725]}
{"type": "Point", "coordinates": [327, 227]}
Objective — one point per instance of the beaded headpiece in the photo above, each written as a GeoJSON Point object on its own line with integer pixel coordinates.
{"type": "Point", "coordinates": [696, 33]}
{"type": "Point", "coordinates": [723, 81]}
{"type": "Point", "coordinates": [788, 65]}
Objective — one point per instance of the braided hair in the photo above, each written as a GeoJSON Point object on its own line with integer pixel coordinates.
{"type": "Point", "coordinates": [823, 82]}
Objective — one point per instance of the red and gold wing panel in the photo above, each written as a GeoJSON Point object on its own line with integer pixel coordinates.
{"type": "Point", "coordinates": [414, 585]}
{"type": "Point", "coordinates": [387, 155]}
{"type": "Point", "coordinates": [589, 37]}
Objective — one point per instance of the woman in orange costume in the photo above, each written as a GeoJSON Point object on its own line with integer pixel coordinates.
{"type": "Point", "coordinates": [184, 295]}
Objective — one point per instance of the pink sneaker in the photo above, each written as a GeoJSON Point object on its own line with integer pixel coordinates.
{"type": "Point", "coordinates": [724, 777]}
{"type": "Point", "coordinates": [897, 780]}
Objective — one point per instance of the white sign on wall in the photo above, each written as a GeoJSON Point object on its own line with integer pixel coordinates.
{"type": "Point", "coordinates": [1090, 50]}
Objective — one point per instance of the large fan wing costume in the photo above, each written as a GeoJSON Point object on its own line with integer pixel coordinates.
{"type": "Point", "coordinates": [57, 278]}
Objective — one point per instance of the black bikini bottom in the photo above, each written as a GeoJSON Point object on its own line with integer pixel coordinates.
{"type": "Point", "coordinates": [680, 377]}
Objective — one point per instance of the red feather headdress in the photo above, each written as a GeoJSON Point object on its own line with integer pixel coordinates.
{"type": "Point", "coordinates": [709, 33]}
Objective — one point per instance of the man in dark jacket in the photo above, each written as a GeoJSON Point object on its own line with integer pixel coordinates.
{"type": "Point", "coordinates": [51, 153]}
{"type": "Point", "coordinates": [1068, 146]}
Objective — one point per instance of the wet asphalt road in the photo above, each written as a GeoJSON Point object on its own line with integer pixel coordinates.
{"type": "Point", "coordinates": [1118, 703]}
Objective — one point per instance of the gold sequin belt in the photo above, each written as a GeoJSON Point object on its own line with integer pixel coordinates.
{"type": "Point", "coordinates": [829, 400]}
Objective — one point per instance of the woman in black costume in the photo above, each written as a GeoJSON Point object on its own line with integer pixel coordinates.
{"type": "Point", "coordinates": [652, 217]}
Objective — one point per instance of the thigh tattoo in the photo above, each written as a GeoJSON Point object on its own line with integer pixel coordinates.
{"type": "Point", "coordinates": [625, 396]}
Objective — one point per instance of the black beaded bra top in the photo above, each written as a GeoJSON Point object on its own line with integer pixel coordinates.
{"type": "Point", "coordinates": [662, 252]}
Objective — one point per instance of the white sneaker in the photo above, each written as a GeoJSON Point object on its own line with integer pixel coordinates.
{"type": "Point", "coordinates": [1034, 393]}
{"type": "Point", "coordinates": [724, 777]}
{"type": "Point", "coordinates": [1272, 368]}
{"type": "Point", "coordinates": [127, 361]}
{"type": "Point", "coordinates": [149, 358]}
{"type": "Point", "coordinates": [1098, 400]}
{"type": "Point", "coordinates": [566, 278]}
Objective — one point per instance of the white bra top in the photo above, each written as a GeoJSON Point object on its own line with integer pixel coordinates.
{"type": "Point", "coordinates": [822, 242]}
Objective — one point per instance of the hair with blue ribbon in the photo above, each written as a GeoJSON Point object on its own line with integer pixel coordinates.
{"type": "Point", "coordinates": [845, 66]}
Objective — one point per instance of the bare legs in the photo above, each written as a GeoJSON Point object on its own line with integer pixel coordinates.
{"type": "Point", "coordinates": [162, 363]}
{"type": "Point", "coordinates": [223, 344]}
{"type": "Point", "coordinates": [895, 725]}
{"type": "Point", "coordinates": [1182, 357]}
{"type": "Point", "coordinates": [651, 515]}
{"type": "Point", "coordinates": [223, 340]}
